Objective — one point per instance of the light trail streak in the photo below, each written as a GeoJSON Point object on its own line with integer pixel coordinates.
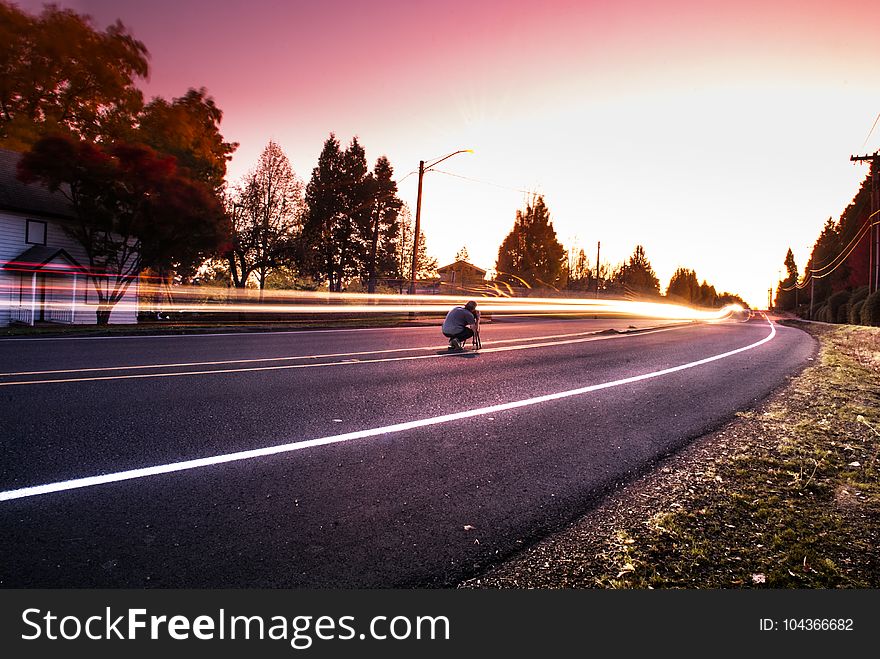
{"type": "Point", "coordinates": [206, 300]}
{"type": "Point", "coordinates": [185, 465]}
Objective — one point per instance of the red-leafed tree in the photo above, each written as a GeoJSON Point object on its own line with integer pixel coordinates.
{"type": "Point", "coordinates": [133, 209]}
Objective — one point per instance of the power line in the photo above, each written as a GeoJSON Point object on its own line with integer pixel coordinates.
{"type": "Point", "coordinates": [871, 132]}
{"type": "Point", "coordinates": [836, 262]}
{"type": "Point", "coordinates": [476, 180]}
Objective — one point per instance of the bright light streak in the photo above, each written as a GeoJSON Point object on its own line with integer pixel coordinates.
{"type": "Point", "coordinates": [206, 300]}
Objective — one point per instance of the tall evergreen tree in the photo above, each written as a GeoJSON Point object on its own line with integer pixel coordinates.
{"type": "Point", "coordinates": [352, 227]}
{"type": "Point", "coordinates": [825, 250]}
{"type": "Point", "coordinates": [339, 200]}
{"type": "Point", "coordinates": [531, 253]}
{"type": "Point", "coordinates": [383, 228]}
{"type": "Point", "coordinates": [637, 277]}
{"type": "Point", "coordinates": [785, 299]}
{"type": "Point", "coordinates": [319, 254]}
{"type": "Point", "coordinates": [684, 286]}
{"type": "Point", "coordinates": [708, 295]}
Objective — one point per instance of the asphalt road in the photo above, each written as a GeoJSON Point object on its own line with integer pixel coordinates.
{"type": "Point", "coordinates": [489, 462]}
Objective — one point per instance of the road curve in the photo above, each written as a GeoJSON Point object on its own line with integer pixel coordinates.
{"type": "Point", "coordinates": [344, 459]}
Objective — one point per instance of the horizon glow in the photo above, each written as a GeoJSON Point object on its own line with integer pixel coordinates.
{"type": "Point", "coordinates": [717, 135]}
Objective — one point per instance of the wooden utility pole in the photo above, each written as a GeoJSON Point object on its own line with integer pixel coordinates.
{"type": "Point", "coordinates": [874, 232]}
{"type": "Point", "coordinates": [598, 245]}
{"type": "Point", "coordinates": [415, 254]}
{"type": "Point", "coordinates": [812, 295]}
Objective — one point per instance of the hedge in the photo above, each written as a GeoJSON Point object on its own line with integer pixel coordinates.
{"type": "Point", "coordinates": [855, 312]}
{"type": "Point", "coordinates": [871, 310]}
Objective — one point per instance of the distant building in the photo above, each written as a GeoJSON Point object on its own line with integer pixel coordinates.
{"type": "Point", "coordinates": [44, 272]}
{"type": "Point", "coordinates": [461, 274]}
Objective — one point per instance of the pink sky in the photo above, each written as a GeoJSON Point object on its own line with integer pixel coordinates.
{"type": "Point", "coordinates": [715, 133]}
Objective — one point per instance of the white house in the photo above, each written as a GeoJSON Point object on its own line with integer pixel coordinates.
{"type": "Point", "coordinates": [44, 272]}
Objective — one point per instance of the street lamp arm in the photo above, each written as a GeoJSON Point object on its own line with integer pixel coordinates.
{"type": "Point", "coordinates": [423, 167]}
{"type": "Point", "coordinates": [437, 162]}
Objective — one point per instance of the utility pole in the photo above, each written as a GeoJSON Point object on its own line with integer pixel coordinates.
{"type": "Point", "coordinates": [415, 254]}
{"type": "Point", "coordinates": [812, 295]}
{"type": "Point", "coordinates": [769, 299]}
{"type": "Point", "coordinates": [874, 232]}
{"type": "Point", "coordinates": [598, 245]}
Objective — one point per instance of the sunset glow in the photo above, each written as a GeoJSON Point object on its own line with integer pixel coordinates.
{"type": "Point", "coordinates": [715, 134]}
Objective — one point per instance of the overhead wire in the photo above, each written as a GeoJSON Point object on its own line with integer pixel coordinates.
{"type": "Point", "coordinates": [476, 180]}
{"type": "Point", "coordinates": [836, 262]}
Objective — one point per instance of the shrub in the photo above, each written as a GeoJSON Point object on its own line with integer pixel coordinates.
{"type": "Point", "coordinates": [819, 314]}
{"type": "Point", "coordinates": [871, 310]}
{"type": "Point", "coordinates": [858, 295]}
{"type": "Point", "coordinates": [842, 314]}
{"type": "Point", "coordinates": [835, 302]}
{"type": "Point", "coordinates": [855, 312]}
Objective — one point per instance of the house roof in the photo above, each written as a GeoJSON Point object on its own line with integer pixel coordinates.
{"type": "Point", "coordinates": [28, 198]}
{"type": "Point", "coordinates": [40, 257]}
{"type": "Point", "coordinates": [460, 262]}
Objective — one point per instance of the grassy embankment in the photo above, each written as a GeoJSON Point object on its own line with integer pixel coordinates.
{"type": "Point", "coordinates": [786, 496]}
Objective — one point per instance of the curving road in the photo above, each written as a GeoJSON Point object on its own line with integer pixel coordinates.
{"type": "Point", "coordinates": [368, 458]}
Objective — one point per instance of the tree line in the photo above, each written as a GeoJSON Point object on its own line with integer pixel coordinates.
{"type": "Point", "coordinates": [834, 284]}
{"type": "Point", "coordinates": [531, 256]}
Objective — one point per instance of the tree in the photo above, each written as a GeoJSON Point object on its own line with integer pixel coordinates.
{"type": "Point", "coordinates": [785, 292]}
{"type": "Point", "coordinates": [403, 257]}
{"type": "Point", "coordinates": [383, 228]}
{"type": "Point", "coordinates": [318, 254]}
{"type": "Point", "coordinates": [636, 276]}
{"type": "Point", "coordinates": [462, 254]}
{"type": "Point", "coordinates": [188, 128]}
{"type": "Point", "coordinates": [580, 275]}
{"type": "Point", "coordinates": [339, 202]}
{"type": "Point", "coordinates": [58, 74]}
{"type": "Point", "coordinates": [133, 209]}
{"type": "Point", "coordinates": [352, 230]}
{"type": "Point", "coordinates": [531, 253]}
{"type": "Point", "coordinates": [267, 212]}
{"type": "Point", "coordinates": [825, 250]}
{"type": "Point", "coordinates": [708, 295]}
{"type": "Point", "coordinates": [684, 286]}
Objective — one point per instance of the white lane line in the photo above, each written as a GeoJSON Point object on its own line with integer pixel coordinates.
{"type": "Point", "coordinates": [287, 358]}
{"type": "Point", "coordinates": [344, 362]}
{"type": "Point", "coordinates": [255, 333]}
{"type": "Point", "coordinates": [102, 479]}
{"type": "Point", "coordinates": [203, 334]}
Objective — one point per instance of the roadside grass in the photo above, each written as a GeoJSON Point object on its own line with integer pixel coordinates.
{"type": "Point", "coordinates": [787, 496]}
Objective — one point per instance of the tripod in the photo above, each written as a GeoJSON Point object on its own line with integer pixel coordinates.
{"type": "Point", "coordinates": [475, 340]}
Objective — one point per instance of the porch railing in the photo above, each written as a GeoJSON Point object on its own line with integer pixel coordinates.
{"type": "Point", "coordinates": [22, 315]}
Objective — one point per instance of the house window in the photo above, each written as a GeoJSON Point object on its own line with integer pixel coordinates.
{"type": "Point", "coordinates": [35, 233]}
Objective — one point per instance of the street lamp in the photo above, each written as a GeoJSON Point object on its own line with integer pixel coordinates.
{"type": "Point", "coordinates": [415, 255]}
